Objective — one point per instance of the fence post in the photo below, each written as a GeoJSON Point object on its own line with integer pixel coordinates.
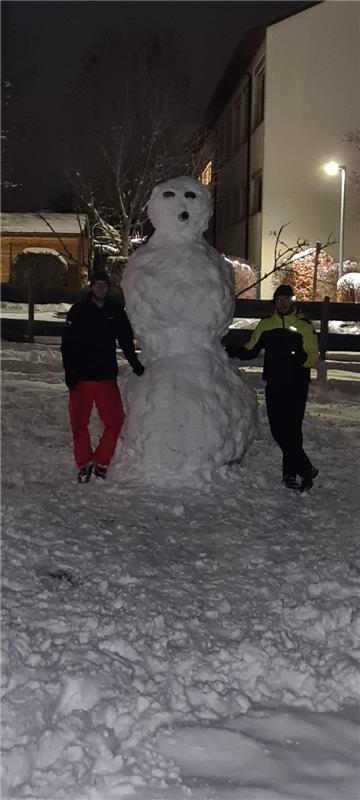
{"type": "Point", "coordinates": [316, 264]}
{"type": "Point", "coordinates": [323, 339]}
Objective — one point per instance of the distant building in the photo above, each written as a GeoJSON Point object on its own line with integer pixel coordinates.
{"type": "Point", "coordinates": [66, 233]}
{"type": "Point", "coordinates": [283, 108]}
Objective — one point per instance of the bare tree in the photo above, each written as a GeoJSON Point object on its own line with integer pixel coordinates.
{"type": "Point", "coordinates": [134, 140]}
{"type": "Point", "coordinates": [301, 263]}
{"type": "Point", "coordinates": [285, 253]}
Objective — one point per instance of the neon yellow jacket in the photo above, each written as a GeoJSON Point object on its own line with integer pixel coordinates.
{"type": "Point", "coordinates": [290, 345]}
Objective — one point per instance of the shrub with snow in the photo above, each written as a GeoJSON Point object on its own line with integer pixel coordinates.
{"type": "Point", "coordinates": [244, 276]}
{"type": "Point", "coordinates": [40, 267]}
{"type": "Point", "coordinates": [348, 288]}
{"type": "Point", "coordinates": [299, 273]}
{"type": "Point", "coordinates": [350, 266]}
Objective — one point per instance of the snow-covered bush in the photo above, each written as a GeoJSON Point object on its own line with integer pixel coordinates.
{"type": "Point", "coordinates": [300, 270]}
{"type": "Point", "coordinates": [42, 267]}
{"type": "Point", "coordinates": [108, 256]}
{"type": "Point", "coordinates": [244, 276]}
{"type": "Point", "coordinates": [350, 266]}
{"type": "Point", "coordinates": [348, 288]}
{"type": "Point", "coordinates": [38, 268]}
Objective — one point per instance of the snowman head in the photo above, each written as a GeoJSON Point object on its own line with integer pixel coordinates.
{"type": "Point", "coordinates": [180, 209]}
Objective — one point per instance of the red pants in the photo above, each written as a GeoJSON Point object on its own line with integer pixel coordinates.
{"type": "Point", "coordinates": [106, 396]}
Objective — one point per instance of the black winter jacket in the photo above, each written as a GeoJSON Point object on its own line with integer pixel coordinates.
{"type": "Point", "coordinates": [88, 345]}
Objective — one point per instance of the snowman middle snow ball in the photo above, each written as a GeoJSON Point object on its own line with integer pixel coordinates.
{"type": "Point", "coordinates": [191, 410]}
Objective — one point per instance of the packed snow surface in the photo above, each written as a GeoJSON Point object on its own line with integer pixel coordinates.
{"type": "Point", "coordinates": [191, 410]}
{"type": "Point", "coordinates": [162, 644]}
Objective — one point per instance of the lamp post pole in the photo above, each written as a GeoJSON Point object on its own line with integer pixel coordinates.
{"type": "Point", "coordinates": [342, 171]}
{"type": "Point", "coordinates": [332, 168]}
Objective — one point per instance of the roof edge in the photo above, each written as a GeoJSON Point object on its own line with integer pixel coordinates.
{"type": "Point", "coordinates": [239, 61]}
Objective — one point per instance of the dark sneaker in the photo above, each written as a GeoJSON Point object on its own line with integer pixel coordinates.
{"type": "Point", "coordinates": [291, 483]}
{"type": "Point", "coordinates": [306, 484]}
{"type": "Point", "coordinates": [314, 472]}
{"type": "Point", "coordinates": [100, 472]}
{"type": "Point", "coordinates": [84, 473]}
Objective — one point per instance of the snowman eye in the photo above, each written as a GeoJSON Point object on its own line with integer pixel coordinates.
{"type": "Point", "coordinates": [190, 194]}
{"type": "Point", "coordinates": [168, 194]}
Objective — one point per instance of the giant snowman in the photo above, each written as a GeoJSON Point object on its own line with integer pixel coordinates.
{"type": "Point", "coordinates": [190, 411]}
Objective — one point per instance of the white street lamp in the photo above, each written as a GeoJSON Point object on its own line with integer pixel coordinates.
{"type": "Point", "coordinates": [332, 168]}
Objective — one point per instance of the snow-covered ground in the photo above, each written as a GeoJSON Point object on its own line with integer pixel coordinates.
{"type": "Point", "coordinates": [42, 311]}
{"type": "Point", "coordinates": [176, 644]}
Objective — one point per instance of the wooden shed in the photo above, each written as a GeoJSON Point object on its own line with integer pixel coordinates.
{"type": "Point", "coordinates": [66, 233]}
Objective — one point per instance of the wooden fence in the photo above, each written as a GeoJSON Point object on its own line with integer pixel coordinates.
{"type": "Point", "coordinates": [324, 312]}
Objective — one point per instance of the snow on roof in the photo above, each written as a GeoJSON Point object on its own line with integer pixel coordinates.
{"type": "Point", "coordinates": [45, 251]}
{"type": "Point", "coordinates": [34, 223]}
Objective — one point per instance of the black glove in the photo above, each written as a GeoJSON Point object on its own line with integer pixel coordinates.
{"type": "Point", "coordinates": [71, 380]}
{"type": "Point", "coordinates": [244, 354]}
{"type": "Point", "coordinates": [138, 369]}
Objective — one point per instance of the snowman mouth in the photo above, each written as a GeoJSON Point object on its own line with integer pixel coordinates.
{"type": "Point", "coordinates": [183, 216]}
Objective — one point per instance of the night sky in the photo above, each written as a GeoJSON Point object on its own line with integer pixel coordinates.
{"type": "Point", "coordinates": [43, 48]}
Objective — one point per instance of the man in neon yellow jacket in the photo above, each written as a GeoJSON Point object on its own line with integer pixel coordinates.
{"type": "Point", "coordinates": [291, 349]}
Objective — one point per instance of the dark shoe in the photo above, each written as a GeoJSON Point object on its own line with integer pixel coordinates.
{"type": "Point", "coordinates": [84, 473]}
{"type": "Point", "coordinates": [100, 472]}
{"type": "Point", "coordinates": [306, 483]}
{"type": "Point", "coordinates": [291, 483]}
{"type": "Point", "coordinates": [314, 472]}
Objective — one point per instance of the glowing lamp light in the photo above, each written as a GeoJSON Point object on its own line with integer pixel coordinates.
{"type": "Point", "coordinates": [331, 168]}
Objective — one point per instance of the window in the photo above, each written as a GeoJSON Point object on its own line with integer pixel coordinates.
{"type": "Point", "coordinates": [256, 191]}
{"type": "Point", "coordinates": [244, 121]}
{"type": "Point", "coordinates": [206, 175]}
{"type": "Point", "coordinates": [220, 145]}
{"type": "Point", "coordinates": [259, 81]}
{"type": "Point", "coordinates": [235, 205]}
{"type": "Point", "coordinates": [228, 136]}
{"type": "Point", "coordinates": [236, 131]}
{"type": "Point", "coordinates": [227, 210]}
{"type": "Point", "coordinates": [242, 201]}
{"type": "Point", "coordinates": [238, 204]}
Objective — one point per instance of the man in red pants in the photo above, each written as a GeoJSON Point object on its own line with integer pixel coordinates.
{"type": "Point", "coordinates": [88, 351]}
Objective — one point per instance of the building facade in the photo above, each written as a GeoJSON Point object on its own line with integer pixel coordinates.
{"type": "Point", "coordinates": [284, 107]}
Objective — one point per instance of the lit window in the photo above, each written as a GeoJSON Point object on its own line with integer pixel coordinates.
{"type": "Point", "coordinates": [206, 175]}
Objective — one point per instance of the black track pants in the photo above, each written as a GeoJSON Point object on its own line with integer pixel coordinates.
{"type": "Point", "coordinates": [286, 408]}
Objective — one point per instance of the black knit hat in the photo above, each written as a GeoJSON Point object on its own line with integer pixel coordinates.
{"type": "Point", "coordinates": [284, 290]}
{"type": "Point", "coordinates": [100, 275]}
